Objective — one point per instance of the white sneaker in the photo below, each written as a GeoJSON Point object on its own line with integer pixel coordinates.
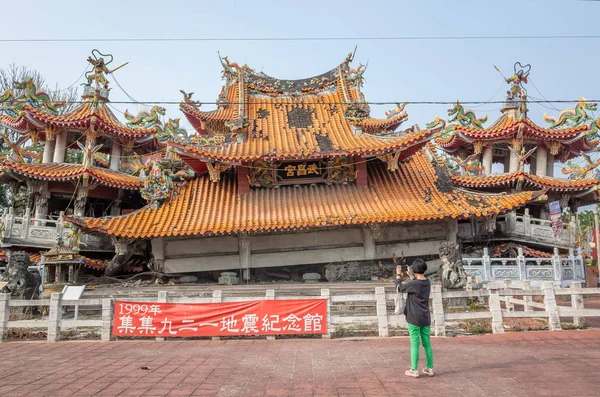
{"type": "Point", "coordinates": [427, 371]}
{"type": "Point", "coordinates": [413, 373]}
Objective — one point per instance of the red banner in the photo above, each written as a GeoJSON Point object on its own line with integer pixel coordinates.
{"type": "Point", "coordinates": [265, 317]}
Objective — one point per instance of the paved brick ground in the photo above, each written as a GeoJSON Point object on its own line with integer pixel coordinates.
{"type": "Point", "coordinates": [521, 364]}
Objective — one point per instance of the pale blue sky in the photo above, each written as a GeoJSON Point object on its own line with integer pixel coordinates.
{"type": "Point", "coordinates": [398, 70]}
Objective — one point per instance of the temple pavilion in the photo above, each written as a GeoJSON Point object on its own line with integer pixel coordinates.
{"type": "Point", "coordinates": [526, 155]}
{"type": "Point", "coordinates": [96, 180]}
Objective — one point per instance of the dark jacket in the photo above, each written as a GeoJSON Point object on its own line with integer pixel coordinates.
{"type": "Point", "coordinates": [417, 301]}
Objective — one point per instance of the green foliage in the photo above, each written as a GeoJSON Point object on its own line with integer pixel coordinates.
{"type": "Point", "coordinates": [74, 156]}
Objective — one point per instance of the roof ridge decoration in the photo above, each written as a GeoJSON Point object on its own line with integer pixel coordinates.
{"type": "Point", "coordinates": [462, 118]}
{"type": "Point", "coordinates": [145, 118]}
{"type": "Point", "coordinates": [570, 118]}
{"type": "Point", "coordinates": [470, 166]}
{"type": "Point", "coordinates": [579, 172]}
{"type": "Point", "coordinates": [164, 177]}
{"type": "Point", "coordinates": [31, 95]}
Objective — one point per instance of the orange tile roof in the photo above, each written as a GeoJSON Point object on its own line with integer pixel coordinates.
{"type": "Point", "coordinates": [19, 123]}
{"type": "Point", "coordinates": [508, 127]}
{"type": "Point", "coordinates": [65, 171]}
{"type": "Point", "coordinates": [416, 192]}
{"type": "Point", "coordinates": [551, 183]}
{"type": "Point", "coordinates": [295, 119]}
{"type": "Point", "coordinates": [323, 131]}
{"type": "Point", "coordinates": [87, 114]}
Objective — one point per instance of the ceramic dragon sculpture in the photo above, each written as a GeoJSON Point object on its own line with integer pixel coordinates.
{"type": "Point", "coordinates": [470, 166]}
{"type": "Point", "coordinates": [394, 112]}
{"type": "Point", "coordinates": [581, 172]}
{"type": "Point", "coordinates": [187, 98]}
{"type": "Point", "coordinates": [466, 118]}
{"type": "Point", "coordinates": [572, 117]}
{"type": "Point", "coordinates": [446, 129]}
{"type": "Point", "coordinates": [31, 96]}
{"type": "Point", "coordinates": [145, 118]}
{"type": "Point", "coordinates": [170, 130]}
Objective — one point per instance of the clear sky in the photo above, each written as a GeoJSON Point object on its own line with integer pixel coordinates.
{"type": "Point", "coordinates": [398, 70]}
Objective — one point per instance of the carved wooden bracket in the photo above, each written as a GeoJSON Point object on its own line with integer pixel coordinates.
{"type": "Point", "coordinates": [554, 147]}
{"type": "Point", "coordinates": [391, 160]}
{"type": "Point", "coordinates": [215, 170]}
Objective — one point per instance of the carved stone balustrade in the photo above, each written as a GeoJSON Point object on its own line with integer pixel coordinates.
{"type": "Point", "coordinates": [560, 270]}
{"type": "Point", "coordinates": [43, 233]}
{"type": "Point", "coordinates": [524, 228]}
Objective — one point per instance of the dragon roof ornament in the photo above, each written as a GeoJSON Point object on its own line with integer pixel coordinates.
{"type": "Point", "coordinates": [261, 83]}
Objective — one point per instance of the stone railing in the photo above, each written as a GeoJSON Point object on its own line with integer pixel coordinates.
{"type": "Point", "coordinates": [44, 233]}
{"type": "Point", "coordinates": [557, 269]}
{"type": "Point", "coordinates": [524, 227]}
{"type": "Point", "coordinates": [497, 299]}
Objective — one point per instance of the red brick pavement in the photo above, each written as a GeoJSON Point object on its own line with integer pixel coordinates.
{"type": "Point", "coordinates": [519, 364]}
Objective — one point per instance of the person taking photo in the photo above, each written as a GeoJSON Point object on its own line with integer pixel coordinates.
{"type": "Point", "coordinates": [417, 314]}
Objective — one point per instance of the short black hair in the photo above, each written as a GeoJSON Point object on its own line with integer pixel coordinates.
{"type": "Point", "coordinates": [419, 266]}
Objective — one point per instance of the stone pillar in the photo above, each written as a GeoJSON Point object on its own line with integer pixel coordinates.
{"type": "Point", "coordinates": [55, 316]}
{"type": "Point", "coordinates": [551, 307]}
{"type": "Point", "coordinates": [550, 165]}
{"type": "Point", "coordinates": [452, 230]}
{"type": "Point", "coordinates": [107, 320]}
{"type": "Point", "coordinates": [381, 311]}
{"type": "Point", "coordinates": [514, 162]}
{"type": "Point", "coordinates": [488, 152]}
{"type": "Point", "coordinates": [60, 148]}
{"type": "Point", "coordinates": [577, 303]}
{"type": "Point", "coordinates": [521, 264]}
{"type": "Point", "coordinates": [115, 156]}
{"type": "Point", "coordinates": [368, 243]}
{"type": "Point", "coordinates": [158, 251]}
{"type": "Point", "coordinates": [48, 151]}
{"type": "Point", "coordinates": [557, 265]}
{"type": "Point", "coordinates": [245, 254]}
{"type": "Point", "coordinates": [325, 295]}
{"type": "Point", "coordinates": [270, 295]}
{"type": "Point", "coordinates": [439, 321]}
{"type": "Point", "coordinates": [4, 316]}
{"type": "Point", "coordinates": [217, 297]}
{"type": "Point", "coordinates": [163, 297]}
{"type": "Point", "coordinates": [526, 285]}
{"type": "Point", "coordinates": [487, 265]}
{"type": "Point", "coordinates": [541, 162]}
{"type": "Point", "coordinates": [496, 310]}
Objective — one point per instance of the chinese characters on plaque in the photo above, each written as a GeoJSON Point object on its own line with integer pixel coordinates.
{"type": "Point", "coordinates": [301, 170]}
{"type": "Point", "coordinates": [221, 319]}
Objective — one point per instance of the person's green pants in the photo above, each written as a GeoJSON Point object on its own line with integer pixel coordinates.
{"type": "Point", "coordinates": [418, 334]}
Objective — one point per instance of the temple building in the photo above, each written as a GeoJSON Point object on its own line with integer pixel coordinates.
{"type": "Point", "coordinates": [297, 173]}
